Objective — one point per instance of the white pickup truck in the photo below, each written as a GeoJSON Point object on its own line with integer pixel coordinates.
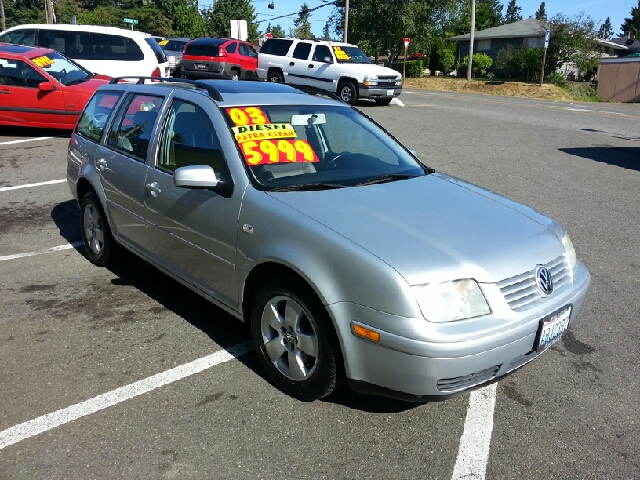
{"type": "Point", "coordinates": [337, 67]}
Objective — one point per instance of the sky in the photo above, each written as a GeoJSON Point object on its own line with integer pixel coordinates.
{"type": "Point", "coordinates": [599, 10]}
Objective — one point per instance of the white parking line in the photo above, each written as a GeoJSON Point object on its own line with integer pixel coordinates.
{"type": "Point", "coordinates": [473, 453]}
{"type": "Point", "coordinates": [12, 142]}
{"type": "Point", "coordinates": [29, 185]}
{"type": "Point", "coordinates": [571, 109]}
{"type": "Point", "coordinates": [66, 246]}
{"type": "Point", "coordinates": [60, 417]}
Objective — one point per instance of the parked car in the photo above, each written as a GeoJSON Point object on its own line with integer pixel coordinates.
{"type": "Point", "coordinates": [346, 255]}
{"type": "Point", "coordinates": [104, 50]}
{"type": "Point", "coordinates": [337, 67]}
{"type": "Point", "coordinates": [174, 49]}
{"type": "Point", "coordinates": [40, 87]}
{"type": "Point", "coordinates": [219, 58]}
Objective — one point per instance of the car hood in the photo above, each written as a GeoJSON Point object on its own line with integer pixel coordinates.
{"type": "Point", "coordinates": [89, 86]}
{"type": "Point", "coordinates": [371, 69]}
{"type": "Point", "coordinates": [436, 228]}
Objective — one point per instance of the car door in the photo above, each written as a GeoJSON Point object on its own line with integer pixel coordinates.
{"type": "Point", "coordinates": [121, 163]}
{"type": "Point", "coordinates": [297, 65]}
{"type": "Point", "coordinates": [31, 103]}
{"type": "Point", "coordinates": [249, 59]}
{"type": "Point", "coordinates": [322, 69]}
{"type": "Point", "coordinates": [193, 232]}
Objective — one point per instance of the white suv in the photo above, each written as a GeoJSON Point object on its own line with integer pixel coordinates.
{"type": "Point", "coordinates": [337, 67]}
{"type": "Point", "coordinates": [111, 51]}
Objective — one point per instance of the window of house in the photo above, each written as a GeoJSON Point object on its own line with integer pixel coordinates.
{"type": "Point", "coordinates": [484, 45]}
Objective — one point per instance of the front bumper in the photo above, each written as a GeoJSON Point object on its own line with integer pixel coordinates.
{"type": "Point", "coordinates": [407, 364]}
{"type": "Point", "coordinates": [379, 92]}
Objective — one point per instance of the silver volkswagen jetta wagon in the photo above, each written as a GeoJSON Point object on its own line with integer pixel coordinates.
{"type": "Point", "coordinates": [350, 259]}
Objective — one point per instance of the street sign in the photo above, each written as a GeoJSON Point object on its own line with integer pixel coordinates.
{"type": "Point", "coordinates": [547, 36]}
{"type": "Point", "coordinates": [406, 42]}
{"type": "Point", "coordinates": [131, 21]}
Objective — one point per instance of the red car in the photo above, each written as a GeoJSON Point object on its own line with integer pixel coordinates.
{"type": "Point", "coordinates": [219, 58]}
{"type": "Point", "coordinates": [40, 87]}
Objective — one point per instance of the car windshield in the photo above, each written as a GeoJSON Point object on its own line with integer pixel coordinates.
{"type": "Point", "coordinates": [346, 54]}
{"type": "Point", "coordinates": [63, 69]}
{"type": "Point", "coordinates": [317, 147]}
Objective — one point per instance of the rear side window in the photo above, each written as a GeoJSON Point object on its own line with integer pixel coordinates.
{"type": "Point", "coordinates": [276, 46]}
{"type": "Point", "coordinates": [321, 52]}
{"type": "Point", "coordinates": [95, 115]}
{"type": "Point", "coordinates": [203, 49]}
{"type": "Point", "coordinates": [248, 51]}
{"type": "Point", "coordinates": [175, 45]}
{"type": "Point", "coordinates": [232, 47]}
{"type": "Point", "coordinates": [24, 36]}
{"type": "Point", "coordinates": [302, 51]}
{"type": "Point", "coordinates": [112, 47]}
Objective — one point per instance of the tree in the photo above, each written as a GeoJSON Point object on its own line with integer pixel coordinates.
{"type": "Point", "coordinates": [492, 9]}
{"type": "Point", "coordinates": [570, 37]}
{"type": "Point", "coordinates": [326, 30]}
{"type": "Point", "coordinates": [276, 31]}
{"type": "Point", "coordinates": [514, 12]}
{"type": "Point", "coordinates": [186, 19]}
{"type": "Point", "coordinates": [631, 25]}
{"type": "Point", "coordinates": [541, 14]}
{"type": "Point", "coordinates": [481, 63]}
{"type": "Point", "coordinates": [217, 18]}
{"type": "Point", "coordinates": [302, 24]}
{"type": "Point", "coordinates": [606, 29]}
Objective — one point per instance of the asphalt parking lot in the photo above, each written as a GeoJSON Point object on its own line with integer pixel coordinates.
{"type": "Point", "coordinates": [124, 373]}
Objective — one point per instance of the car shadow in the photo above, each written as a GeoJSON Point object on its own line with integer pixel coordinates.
{"type": "Point", "coordinates": [625, 157]}
{"type": "Point", "coordinates": [31, 132]}
{"type": "Point", "coordinates": [221, 327]}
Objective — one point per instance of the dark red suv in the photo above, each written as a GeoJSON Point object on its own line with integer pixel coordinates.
{"type": "Point", "coordinates": [219, 58]}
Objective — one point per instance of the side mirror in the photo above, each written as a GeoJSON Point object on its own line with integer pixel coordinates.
{"type": "Point", "coordinates": [201, 177]}
{"type": "Point", "coordinates": [327, 59]}
{"type": "Point", "coordinates": [46, 87]}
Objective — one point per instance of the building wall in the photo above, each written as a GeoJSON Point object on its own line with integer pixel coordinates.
{"type": "Point", "coordinates": [619, 80]}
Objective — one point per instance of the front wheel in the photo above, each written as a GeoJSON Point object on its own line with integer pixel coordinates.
{"type": "Point", "coordinates": [348, 93]}
{"type": "Point", "coordinates": [295, 340]}
{"type": "Point", "coordinates": [98, 241]}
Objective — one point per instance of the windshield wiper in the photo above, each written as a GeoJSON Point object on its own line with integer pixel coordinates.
{"type": "Point", "coordinates": [390, 177]}
{"type": "Point", "coordinates": [307, 186]}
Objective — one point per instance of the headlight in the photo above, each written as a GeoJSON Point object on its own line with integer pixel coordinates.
{"type": "Point", "coordinates": [569, 251]}
{"type": "Point", "coordinates": [367, 80]}
{"type": "Point", "coordinates": [398, 82]}
{"type": "Point", "coordinates": [449, 301]}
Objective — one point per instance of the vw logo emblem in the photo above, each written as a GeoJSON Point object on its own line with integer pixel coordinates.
{"type": "Point", "coordinates": [544, 280]}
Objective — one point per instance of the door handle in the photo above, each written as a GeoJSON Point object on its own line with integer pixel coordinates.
{"type": "Point", "coordinates": [101, 164]}
{"type": "Point", "coordinates": [6, 92]}
{"type": "Point", "coordinates": [291, 64]}
{"type": "Point", "coordinates": [311, 65]}
{"type": "Point", "coordinates": [153, 188]}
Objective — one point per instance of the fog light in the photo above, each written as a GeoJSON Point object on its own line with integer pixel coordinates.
{"type": "Point", "coordinates": [366, 333]}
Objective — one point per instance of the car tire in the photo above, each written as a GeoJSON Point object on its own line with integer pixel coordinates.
{"type": "Point", "coordinates": [289, 323]}
{"type": "Point", "coordinates": [275, 76]}
{"type": "Point", "coordinates": [383, 101]}
{"type": "Point", "coordinates": [98, 241]}
{"type": "Point", "coordinates": [235, 75]}
{"type": "Point", "coordinates": [348, 92]}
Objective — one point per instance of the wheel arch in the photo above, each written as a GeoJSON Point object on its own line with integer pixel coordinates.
{"type": "Point", "coordinates": [343, 79]}
{"type": "Point", "coordinates": [275, 69]}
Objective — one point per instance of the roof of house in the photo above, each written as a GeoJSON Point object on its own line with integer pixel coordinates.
{"type": "Point", "coordinates": [524, 28]}
{"type": "Point", "coordinates": [634, 46]}
{"type": "Point", "coordinates": [608, 43]}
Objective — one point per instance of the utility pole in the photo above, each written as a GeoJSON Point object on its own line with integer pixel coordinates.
{"type": "Point", "coordinates": [346, 19]}
{"type": "Point", "coordinates": [49, 14]}
{"type": "Point", "coordinates": [471, 38]}
{"type": "Point", "coordinates": [4, 23]}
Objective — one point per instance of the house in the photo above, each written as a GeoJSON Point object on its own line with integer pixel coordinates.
{"type": "Point", "coordinates": [525, 33]}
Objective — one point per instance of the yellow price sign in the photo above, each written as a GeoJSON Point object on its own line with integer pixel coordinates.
{"type": "Point", "coordinates": [42, 61]}
{"type": "Point", "coordinates": [268, 152]}
{"type": "Point", "coordinates": [340, 54]}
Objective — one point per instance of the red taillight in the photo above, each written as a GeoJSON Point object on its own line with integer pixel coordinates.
{"type": "Point", "coordinates": [156, 72]}
{"type": "Point", "coordinates": [222, 52]}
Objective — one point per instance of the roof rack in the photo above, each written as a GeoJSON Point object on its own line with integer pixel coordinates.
{"type": "Point", "coordinates": [213, 92]}
{"type": "Point", "coordinates": [315, 91]}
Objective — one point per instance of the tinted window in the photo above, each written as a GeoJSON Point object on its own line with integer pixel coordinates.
{"type": "Point", "coordinates": [19, 74]}
{"type": "Point", "coordinates": [23, 36]}
{"type": "Point", "coordinates": [175, 45]}
{"type": "Point", "coordinates": [189, 139]}
{"type": "Point", "coordinates": [157, 51]}
{"type": "Point", "coordinates": [321, 52]}
{"type": "Point", "coordinates": [111, 47]}
{"type": "Point", "coordinates": [64, 42]}
{"type": "Point", "coordinates": [132, 129]}
{"type": "Point", "coordinates": [302, 51]}
{"type": "Point", "coordinates": [276, 46]}
{"type": "Point", "coordinates": [232, 47]}
{"type": "Point", "coordinates": [95, 115]}
{"type": "Point", "coordinates": [248, 50]}
{"type": "Point", "coordinates": [202, 50]}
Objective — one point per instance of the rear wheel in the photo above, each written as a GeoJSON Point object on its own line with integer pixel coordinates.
{"type": "Point", "coordinates": [98, 241]}
{"type": "Point", "coordinates": [348, 92]}
{"type": "Point", "coordinates": [295, 340]}
{"type": "Point", "coordinates": [275, 76]}
{"type": "Point", "coordinates": [235, 75]}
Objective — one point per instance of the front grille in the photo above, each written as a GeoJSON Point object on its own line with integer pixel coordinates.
{"type": "Point", "coordinates": [456, 384]}
{"type": "Point", "coordinates": [387, 84]}
{"type": "Point", "coordinates": [387, 77]}
{"type": "Point", "coordinates": [521, 292]}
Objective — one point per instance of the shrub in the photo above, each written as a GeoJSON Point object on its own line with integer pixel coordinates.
{"type": "Point", "coordinates": [526, 63]}
{"type": "Point", "coordinates": [443, 56]}
{"type": "Point", "coordinates": [481, 63]}
{"type": "Point", "coordinates": [557, 79]}
{"type": "Point", "coordinates": [503, 61]}
{"type": "Point", "coordinates": [414, 68]}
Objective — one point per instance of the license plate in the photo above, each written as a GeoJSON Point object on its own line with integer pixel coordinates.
{"type": "Point", "coordinates": [552, 328]}
{"type": "Point", "coordinates": [201, 66]}
{"type": "Point", "coordinates": [389, 93]}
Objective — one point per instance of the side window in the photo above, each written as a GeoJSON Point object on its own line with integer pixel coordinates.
{"type": "Point", "coordinates": [94, 117]}
{"type": "Point", "coordinates": [232, 47]}
{"type": "Point", "coordinates": [132, 128]}
{"type": "Point", "coordinates": [321, 52]}
{"type": "Point", "coordinates": [113, 47]}
{"type": "Point", "coordinates": [189, 139]}
{"type": "Point", "coordinates": [19, 74]}
{"type": "Point", "coordinates": [24, 36]}
{"type": "Point", "coordinates": [302, 51]}
{"type": "Point", "coordinates": [278, 46]}
{"type": "Point", "coordinates": [248, 50]}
